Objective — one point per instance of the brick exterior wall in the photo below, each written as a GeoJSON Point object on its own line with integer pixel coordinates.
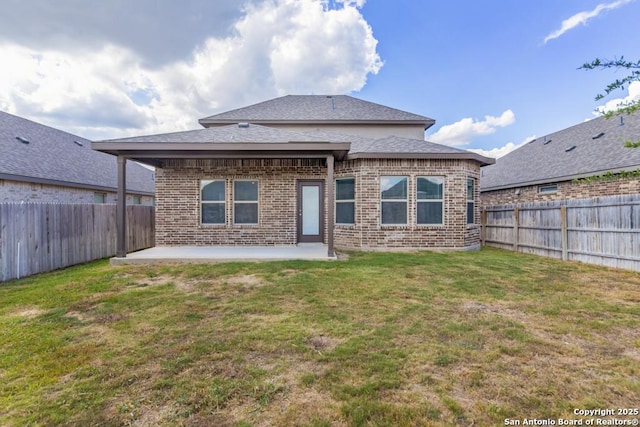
{"type": "Point", "coordinates": [16, 191]}
{"type": "Point", "coordinates": [566, 190]}
{"type": "Point", "coordinates": [178, 200]}
{"type": "Point", "coordinates": [178, 203]}
{"type": "Point", "coordinates": [368, 233]}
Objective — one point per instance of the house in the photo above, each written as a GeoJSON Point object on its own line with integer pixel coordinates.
{"type": "Point", "coordinates": [326, 169]}
{"type": "Point", "coordinates": [43, 164]}
{"type": "Point", "coordinates": [557, 166]}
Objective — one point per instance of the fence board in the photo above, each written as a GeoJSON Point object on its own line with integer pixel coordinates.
{"type": "Point", "coordinates": [601, 230]}
{"type": "Point", "coordinates": [38, 237]}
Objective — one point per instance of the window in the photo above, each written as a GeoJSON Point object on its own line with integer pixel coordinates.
{"type": "Point", "coordinates": [393, 199]}
{"type": "Point", "coordinates": [99, 197]}
{"type": "Point", "coordinates": [345, 200]}
{"type": "Point", "coordinates": [212, 200]}
{"type": "Point", "coordinates": [548, 189]}
{"type": "Point", "coordinates": [245, 202]}
{"type": "Point", "coordinates": [429, 199]}
{"type": "Point", "coordinates": [137, 200]}
{"type": "Point", "coordinates": [471, 192]}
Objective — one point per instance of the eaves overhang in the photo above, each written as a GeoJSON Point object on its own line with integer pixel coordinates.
{"type": "Point", "coordinates": [68, 184]}
{"type": "Point", "coordinates": [556, 179]}
{"type": "Point", "coordinates": [484, 161]}
{"type": "Point", "coordinates": [155, 153]}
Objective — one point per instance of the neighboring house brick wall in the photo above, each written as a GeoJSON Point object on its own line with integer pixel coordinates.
{"type": "Point", "coordinates": [16, 191]}
{"type": "Point", "coordinates": [566, 190]}
{"type": "Point", "coordinates": [178, 203]}
{"type": "Point", "coordinates": [368, 233]}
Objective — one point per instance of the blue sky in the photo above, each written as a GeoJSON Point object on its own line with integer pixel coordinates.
{"type": "Point", "coordinates": [492, 73]}
{"type": "Point", "coordinates": [462, 59]}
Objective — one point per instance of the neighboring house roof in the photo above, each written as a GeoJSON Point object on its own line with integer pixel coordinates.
{"type": "Point", "coordinates": [244, 139]}
{"type": "Point", "coordinates": [599, 148]}
{"type": "Point", "coordinates": [33, 152]}
{"type": "Point", "coordinates": [312, 109]}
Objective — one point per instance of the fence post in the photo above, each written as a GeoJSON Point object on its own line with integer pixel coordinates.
{"type": "Point", "coordinates": [483, 227]}
{"type": "Point", "coordinates": [121, 209]}
{"type": "Point", "coordinates": [565, 234]}
{"type": "Point", "coordinates": [516, 224]}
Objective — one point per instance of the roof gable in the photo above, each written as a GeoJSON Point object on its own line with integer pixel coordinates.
{"type": "Point", "coordinates": [316, 109]}
{"type": "Point", "coordinates": [54, 155]}
{"type": "Point", "coordinates": [550, 158]}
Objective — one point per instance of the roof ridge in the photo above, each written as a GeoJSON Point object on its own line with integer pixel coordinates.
{"type": "Point", "coordinates": [316, 108]}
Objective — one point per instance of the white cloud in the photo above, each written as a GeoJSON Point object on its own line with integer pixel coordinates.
{"type": "Point", "coordinates": [502, 151]}
{"type": "Point", "coordinates": [633, 95]}
{"type": "Point", "coordinates": [276, 47]}
{"type": "Point", "coordinates": [463, 131]}
{"type": "Point", "coordinates": [583, 18]}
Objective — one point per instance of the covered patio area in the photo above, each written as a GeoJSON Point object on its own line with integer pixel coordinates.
{"type": "Point", "coordinates": [266, 190]}
{"type": "Point", "coordinates": [212, 254]}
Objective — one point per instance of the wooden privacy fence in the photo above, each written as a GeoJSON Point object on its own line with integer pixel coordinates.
{"type": "Point", "coordinates": [37, 237]}
{"type": "Point", "coordinates": [601, 230]}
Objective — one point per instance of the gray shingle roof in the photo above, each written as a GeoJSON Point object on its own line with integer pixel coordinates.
{"type": "Point", "coordinates": [537, 162]}
{"type": "Point", "coordinates": [385, 147]}
{"type": "Point", "coordinates": [53, 155]}
{"type": "Point", "coordinates": [391, 145]}
{"type": "Point", "coordinates": [315, 108]}
{"type": "Point", "coordinates": [396, 144]}
{"type": "Point", "coordinates": [228, 134]}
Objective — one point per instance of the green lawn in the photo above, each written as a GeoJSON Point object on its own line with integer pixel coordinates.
{"type": "Point", "coordinates": [379, 339]}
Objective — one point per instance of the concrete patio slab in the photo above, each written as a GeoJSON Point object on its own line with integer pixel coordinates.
{"type": "Point", "coordinates": [206, 254]}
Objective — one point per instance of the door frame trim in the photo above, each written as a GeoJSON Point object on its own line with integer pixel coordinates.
{"type": "Point", "coordinates": [300, 238]}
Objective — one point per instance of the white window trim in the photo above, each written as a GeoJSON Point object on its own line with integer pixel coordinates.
{"type": "Point", "coordinates": [441, 201]}
{"type": "Point", "coordinates": [345, 201]}
{"type": "Point", "coordinates": [257, 202]}
{"type": "Point", "coordinates": [214, 202]}
{"type": "Point", "coordinates": [405, 200]}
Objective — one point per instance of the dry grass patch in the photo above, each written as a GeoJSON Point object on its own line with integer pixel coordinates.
{"type": "Point", "coordinates": [27, 312]}
{"type": "Point", "coordinates": [380, 339]}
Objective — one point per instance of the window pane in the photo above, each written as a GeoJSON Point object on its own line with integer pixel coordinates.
{"type": "Point", "coordinates": [310, 210]}
{"type": "Point", "coordinates": [345, 189]}
{"type": "Point", "coordinates": [470, 216]}
{"type": "Point", "coordinates": [393, 187]}
{"type": "Point", "coordinates": [212, 191]}
{"type": "Point", "coordinates": [470, 189]}
{"type": "Point", "coordinates": [429, 213]}
{"type": "Point", "coordinates": [548, 189]}
{"type": "Point", "coordinates": [245, 213]}
{"type": "Point", "coordinates": [345, 213]}
{"type": "Point", "coordinates": [430, 187]}
{"type": "Point", "coordinates": [213, 213]}
{"type": "Point", "coordinates": [245, 190]}
{"type": "Point", "coordinates": [394, 212]}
